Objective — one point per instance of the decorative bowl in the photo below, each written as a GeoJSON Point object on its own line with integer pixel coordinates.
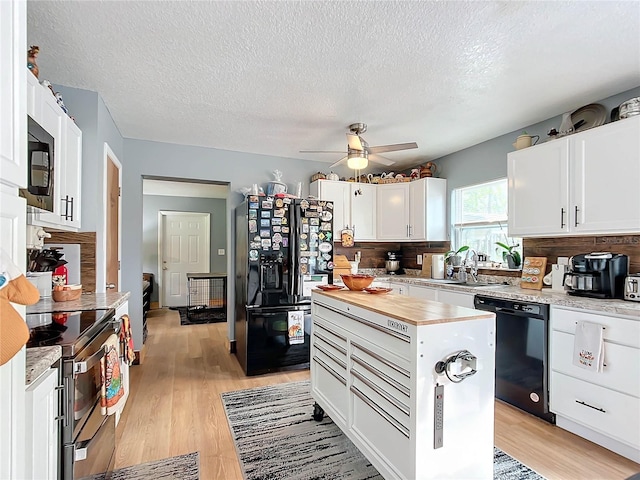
{"type": "Point", "coordinates": [71, 292]}
{"type": "Point", "coordinates": [357, 281]}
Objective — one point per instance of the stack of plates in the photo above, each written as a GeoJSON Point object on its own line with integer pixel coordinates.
{"type": "Point", "coordinates": [589, 116]}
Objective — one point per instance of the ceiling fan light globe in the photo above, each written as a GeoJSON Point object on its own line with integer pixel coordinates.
{"type": "Point", "coordinates": [357, 161]}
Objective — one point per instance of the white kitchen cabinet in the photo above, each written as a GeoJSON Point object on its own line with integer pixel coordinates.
{"type": "Point", "coordinates": [393, 211]}
{"type": "Point", "coordinates": [71, 175]}
{"type": "Point", "coordinates": [603, 407]}
{"type": "Point", "coordinates": [399, 288]}
{"type": "Point", "coordinates": [41, 427]}
{"type": "Point", "coordinates": [354, 206]}
{"type": "Point", "coordinates": [557, 187]}
{"type": "Point", "coordinates": [413, 211]}
{"type": "Point", "coordinates": [13, 119]}
{"type": "Point", "coordinates": [425, 293]}
{"type": "Point", "coordinates": [459, 299]}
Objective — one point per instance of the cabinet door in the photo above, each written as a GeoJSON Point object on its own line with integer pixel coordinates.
{"type": "Point", "coordinates": [392, 211]}
{"type": "Point", "coordinates": [399, 288]}
{"type": "Point", "coordinates": [363, 211]}
{"type": "Point", "coordinates": [13, 121]}
{"type": "Point", "coordinates": [610, 152]}
{"type": "Point", "coordinates": [340, 194]}
{"type": "Point", "coordinates": [428, 209]}
{"type": "Point", "coordinates": [42, 427]}
{"type": "Point", "coordinates": [71, 175]}
{"type": "Point", "coordinates": [538, 189]}
{"type": "Point", "coordinates": [456, 298]}
{"type": "Point", "coordinates": [425, 293]}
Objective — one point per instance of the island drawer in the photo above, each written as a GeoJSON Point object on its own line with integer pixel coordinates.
{"type": "Point", "coordinates": [374, 328]}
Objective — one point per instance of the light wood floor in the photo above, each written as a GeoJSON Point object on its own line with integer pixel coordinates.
{"type": "Point", "coordinates": [175, 408]}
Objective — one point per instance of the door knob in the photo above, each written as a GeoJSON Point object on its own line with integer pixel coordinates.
{"type": "Point", "coordinates": [165, 268]}
{"type": "Point", "coordinates": [111, 285]}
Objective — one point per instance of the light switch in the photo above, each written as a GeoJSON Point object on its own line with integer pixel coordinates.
{"type": "Point", "coordinates": [419, 260]}
{"type": "Point", "coordinates": [221, 251]}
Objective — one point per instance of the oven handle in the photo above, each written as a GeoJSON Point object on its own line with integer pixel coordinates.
{"type": "Point", "coordinates": [83, 367]}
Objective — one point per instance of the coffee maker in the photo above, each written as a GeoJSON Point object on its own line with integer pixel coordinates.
{"type": "Point", "coordinates": [597, 275]}
{"type": "Point", "coordinates": [393, 263]}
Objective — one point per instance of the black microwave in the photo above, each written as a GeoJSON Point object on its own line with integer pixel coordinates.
{"type": "Point", "coordinates": [40, 167]}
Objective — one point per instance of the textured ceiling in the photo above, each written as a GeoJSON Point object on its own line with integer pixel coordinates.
{"type": "Point", "coordinates": [277, 77]}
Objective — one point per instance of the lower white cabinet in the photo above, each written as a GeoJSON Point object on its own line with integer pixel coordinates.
{"type": "Point", "coordinates": [399, 288]}
{"type": "Point", "coordinates": [460, 299]}
{"type": "Point", "coordinates": [41, 427]}
{"type": "Point", "coordinates": [603, 407]}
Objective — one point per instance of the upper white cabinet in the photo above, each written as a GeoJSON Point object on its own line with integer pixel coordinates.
{"type": "Point", "coordinates": [67, 153]}
{"type": "Point", "coordinates": [354, 206]}
{"type": "Point", "coordinates": [558, 187]}
{"type": "Point", "coordinates": [413, 211]}
{"type": "Point", "coordinates": [13, 119]}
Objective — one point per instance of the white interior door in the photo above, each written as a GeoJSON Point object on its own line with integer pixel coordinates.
{"type": "Point", "coordinates": [184, 249]}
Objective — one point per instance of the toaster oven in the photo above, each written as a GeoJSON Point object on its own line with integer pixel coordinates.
{"type": "Point", "coordinates": [632, 287]}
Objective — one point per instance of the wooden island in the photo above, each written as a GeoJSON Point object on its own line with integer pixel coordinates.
{"type": "Point", "coordinates": [409, 381]}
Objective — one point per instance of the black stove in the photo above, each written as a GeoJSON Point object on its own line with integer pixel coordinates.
{"type": "Point", "coordinates": [71, 330]}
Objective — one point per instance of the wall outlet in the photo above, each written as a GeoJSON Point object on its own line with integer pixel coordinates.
{"type": "Point", "coordinates": [419, 259]}
{"type": "Point", "coordinates": [221, 251]}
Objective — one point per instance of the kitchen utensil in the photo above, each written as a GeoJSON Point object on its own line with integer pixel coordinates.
{"type": "Point", "coordinates": [357, 282]}
{"type": "Point", "coordinates": [427, 259]}
{"type": "Point", "coordinates": [632, 287]}
{"type": "Point", "coordinates": [524, 141]}
{"type": "Point", "coordinates": [593, 115]}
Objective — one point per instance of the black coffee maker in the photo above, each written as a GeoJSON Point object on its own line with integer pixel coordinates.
{"type": "Point", "coordinates": [597, 275]}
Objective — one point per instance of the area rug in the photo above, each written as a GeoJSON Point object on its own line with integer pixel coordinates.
{"type": "Point", "coordinates": [277, 438]}
{"type": "Point", "coordinates": [197, 316]}
{"type": "Point", "coordinates": [181, 467]}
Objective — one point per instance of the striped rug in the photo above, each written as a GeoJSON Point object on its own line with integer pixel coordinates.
{"type": "Point", "coordinates": [277, 438]}
{"type": "Point", "coordinates": [182, 467]}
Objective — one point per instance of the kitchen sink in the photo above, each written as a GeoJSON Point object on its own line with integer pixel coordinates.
{"type": "Point", "coordinates": [447, 281]}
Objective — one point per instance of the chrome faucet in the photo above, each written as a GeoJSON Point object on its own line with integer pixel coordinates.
{"type": "Point", "coordinates": [473, 269]}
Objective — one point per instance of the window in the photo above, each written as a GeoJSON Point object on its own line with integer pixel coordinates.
{"type": "Point", "coordinates": [479, 219]}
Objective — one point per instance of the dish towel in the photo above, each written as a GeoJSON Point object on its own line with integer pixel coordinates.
{"type": "Point", "coordinates": [126, 340]}
{"type": "Point", "coordinates": [112, 388]}
{"type": "Point", "coordinates": [588, 346]}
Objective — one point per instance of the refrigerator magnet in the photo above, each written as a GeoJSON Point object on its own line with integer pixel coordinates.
{"type": "Point", "coordinates": [267, 204]}
{"type": "Point", "coordinates": [303, 268]}
{"type": "Point", "coordinates": [253, 226]}
{"type": "Point", "coordinates": [304, 260]}
{"type": "Point", "coordinates": [253, 255]}
{"type": "Point", "coordinates": [276, 228]}
{"type": "Point", "coordinates": [266, 243]}
{"type": "Point", "coordinates": [322, 203]}
{"type": "Point", "coordinates": [314, 221]}
{"type": "Point", "coordinates": [265, 214]}
{"type": "Point", "coordinates": [276, 246]}
{"type": "Point", "coordinates": [304, 204]}
{"type": "Point", "coordinates": [314, 229]}
{"type": "Point", "coordinates": [278, 212]}
{"type": "Point", "coordinates": [279, 203]}
{"type": "Point", "coordinates": [254, 205]}
{"type": "Point", "coordinates": [284, 220]}
{"type": "Point", "coordinates": [285, 229]}
{"type": "Point", "coordinates": [330, 205]}
{"type": "Point", "coordinates": [326, 216]}
{"type": "Point", "coordinates": [325, 247]}
{"type": "Point", "coordinates": [253, 214]}
{"type": "Point", "coordinates": [255, 245]}
{"type": "Point", "coordinates": [303, 246]}
{"type": "Point", "coordinates": [285, 242]}
{"type": "Point", "coordinates": [305, 228]}
{"type": "Point", "coordinates": [277, 238]}
{"type": "Point", "coordinates": [313, 254]}
{"type": "Point", "coordinates": [309, 213]}
{"type": "Point", "coordinates": [325, 226]}
{"type": "Point", "coordinates": [265, 234]}
{"type": "Point", "coordinates": [265, 222]}
{"type": "Point", "coordinates": [276, 221]}
{"type": "Point", "coordinates": [327, 236]}
{"type": "Point", "coordinates": [287, 201]}
{"type": "Point", "coordinates": [326, 256]}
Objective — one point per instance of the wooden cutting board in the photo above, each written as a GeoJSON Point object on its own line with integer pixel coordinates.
{"type": "Point", "coordinates": [340, 261]}
{"type": "Point", "coordinates": [426, 265]}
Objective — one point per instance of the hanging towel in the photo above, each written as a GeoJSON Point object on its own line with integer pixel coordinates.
{"type": "Point", "coordinates": [126, 340]}
{"type": "Point", "coordinates": [112, 388]}
{"type": "Point", "coordinates": [588, 346]}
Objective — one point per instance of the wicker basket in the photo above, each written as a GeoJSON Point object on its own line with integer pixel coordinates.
{"type": "Point", "coordinates": [395, 180]}
{"type": "Point", "coordinates": [66, 295]}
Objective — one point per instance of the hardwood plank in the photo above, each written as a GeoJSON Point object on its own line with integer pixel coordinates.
{"type": "Point", "coordinates": [175, 408]}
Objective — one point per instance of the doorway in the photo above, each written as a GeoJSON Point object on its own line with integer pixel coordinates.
{"type": "Point", "coordinates": [113, 176]}
{"type": "Point", "coordinates": [183, 247]}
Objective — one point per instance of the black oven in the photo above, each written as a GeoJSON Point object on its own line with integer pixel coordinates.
{"type": "Point", "coordinates": [87, 436]}
{"type": "Point", "coordinates": [522, 353]}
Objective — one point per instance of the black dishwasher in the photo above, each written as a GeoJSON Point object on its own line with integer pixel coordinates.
{"type": "Point", "coordinates": [522, 353]}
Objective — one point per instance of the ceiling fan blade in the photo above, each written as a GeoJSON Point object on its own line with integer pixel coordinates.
{"type": "Point", "coordinates": [343, 159]}
{"type": "Point", "coordinates": [380, 159]}
{"type": "Point", "coordinates": [322, 151]}
{"type": "Point", "coordinates": [392, 148]}
{"type": "Point", "coordinates": [354, 141]}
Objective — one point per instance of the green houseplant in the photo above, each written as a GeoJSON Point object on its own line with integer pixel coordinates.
{"type": "Point", "coordinates": [453, 257]}
{"type": "Point", "coordinates": [510, 255]}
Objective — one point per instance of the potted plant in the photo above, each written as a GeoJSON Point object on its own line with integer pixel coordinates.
{"type": "Point", "coordinates": [453, 257]}
{"type": "Point", "coordinates": [510, 255]}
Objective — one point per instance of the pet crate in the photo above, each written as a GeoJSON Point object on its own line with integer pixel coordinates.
{"type": "Point", "coordinates": [207, 297]}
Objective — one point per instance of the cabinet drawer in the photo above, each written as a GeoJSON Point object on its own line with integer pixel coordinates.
{"type": "Point", "coordinates": [617, 329]}
{"type": "Point", "coordinates": [613, 414]}
{"type": "Point", "coordinates": [331, 388]}
{"type": "Point", "coordinates": [385, 338]}
{"type": "Point", "coordinates": [621, 373]}
{"type": "Point", "coordinates": [331, 334]}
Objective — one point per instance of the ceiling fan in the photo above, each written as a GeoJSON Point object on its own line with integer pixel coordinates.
{"type": "Point", "coordinates": [359, 152]}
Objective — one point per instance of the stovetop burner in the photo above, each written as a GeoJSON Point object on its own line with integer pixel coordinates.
{"type": "Point", "coordinates": [45, 336]}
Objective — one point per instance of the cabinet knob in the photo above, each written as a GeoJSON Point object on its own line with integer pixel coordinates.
{"type": "Point", "coordinates": [111, 285]}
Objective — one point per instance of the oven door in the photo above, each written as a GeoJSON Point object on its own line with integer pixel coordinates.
{"type": "Point", "coordinates": [93, 452]}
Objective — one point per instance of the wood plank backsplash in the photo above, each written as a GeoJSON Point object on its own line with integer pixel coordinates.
{"type": "Point", "coordinates": [374, 254]}
{"type": "Point", "coordinates": [555, 247]}
{"type": "Point", "coordinates": [87, 241]}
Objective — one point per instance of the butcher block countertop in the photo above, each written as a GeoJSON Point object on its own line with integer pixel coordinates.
{"type": "Point", "coordinates": [412, 310]}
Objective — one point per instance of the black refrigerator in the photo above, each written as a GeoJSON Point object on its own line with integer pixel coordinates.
{"type": "Point", "coordinates": [284, 248]}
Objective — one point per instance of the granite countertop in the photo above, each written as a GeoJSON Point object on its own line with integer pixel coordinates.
{"type": "Point", "coordinates": [514, 292]}
{"type": "Point", "coordinates": [414, 311]}
{"type": "Point", "coordinates": [88, 301]}
{"type": "Point", "coordinates": [39, 360]}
